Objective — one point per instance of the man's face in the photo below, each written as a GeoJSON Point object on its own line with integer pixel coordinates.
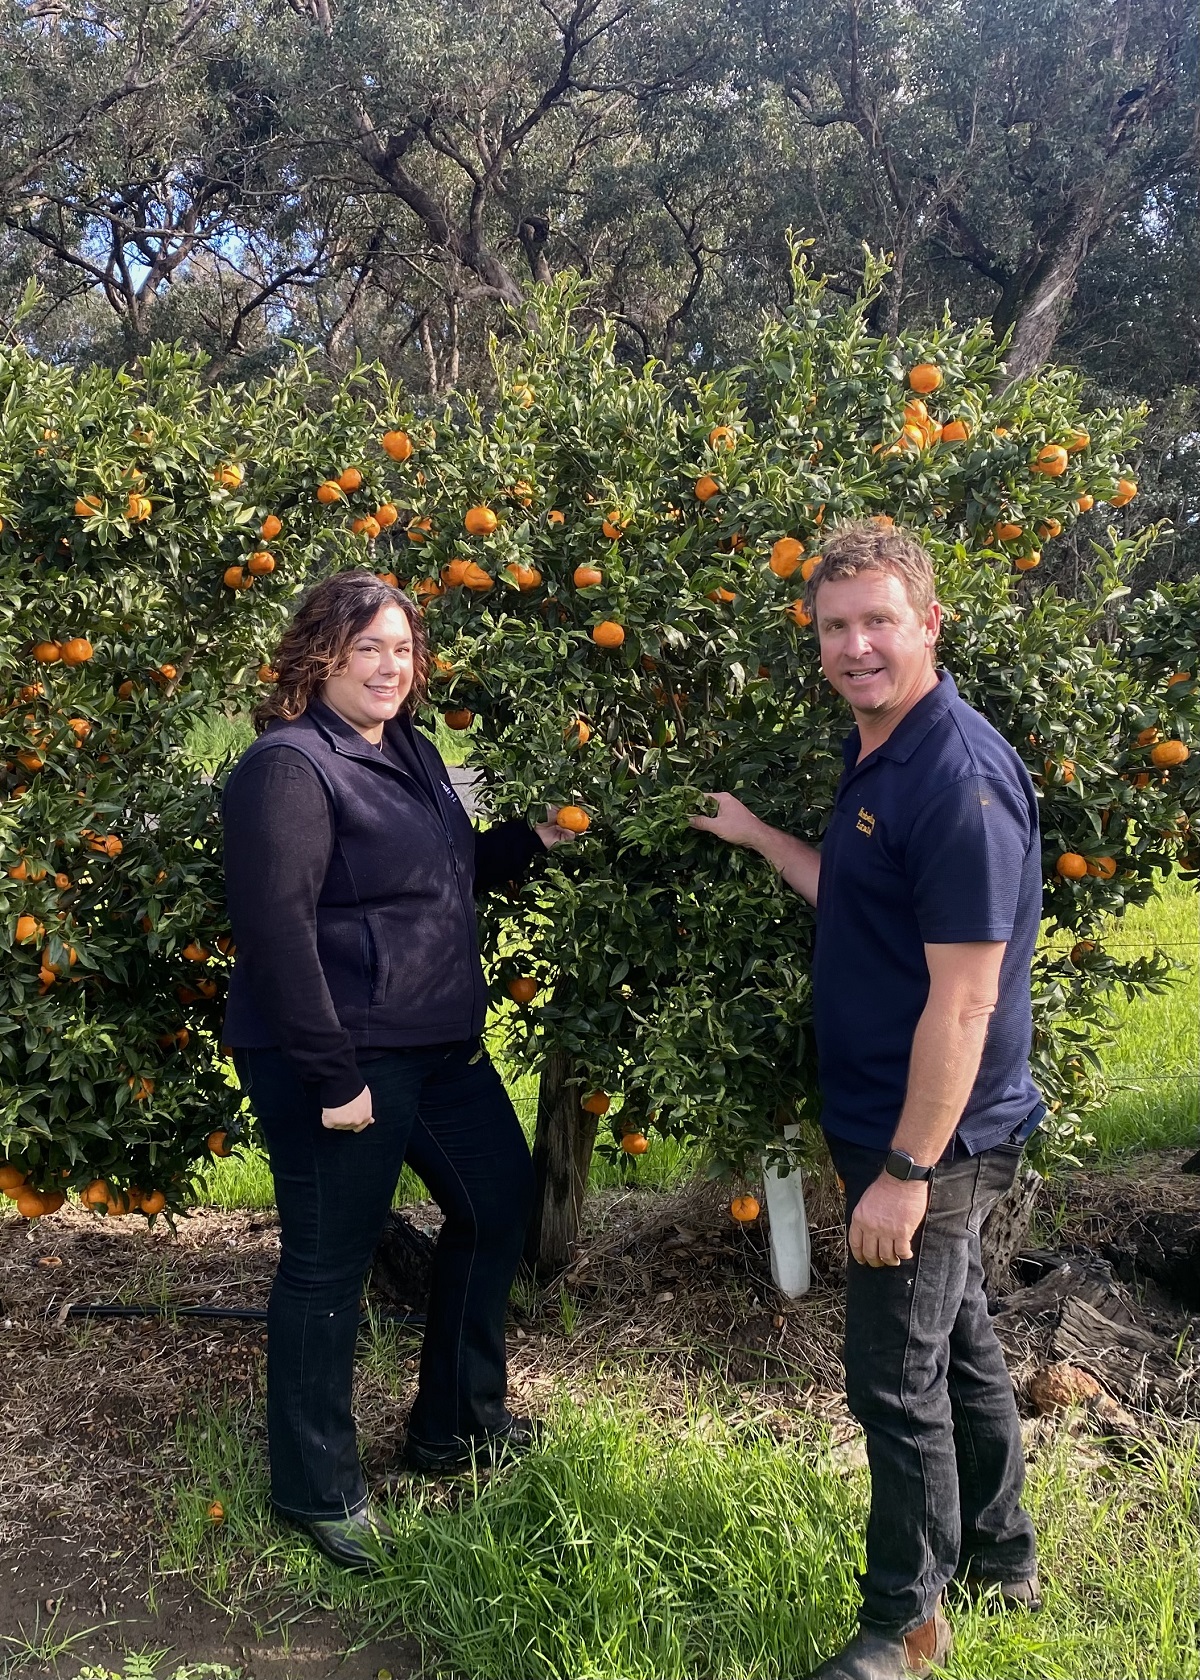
{"type": "Point", "coordinates": [875, 649]}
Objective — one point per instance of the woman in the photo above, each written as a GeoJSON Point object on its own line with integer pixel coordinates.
{"type": "Point", "coordinates": [355, 1013]}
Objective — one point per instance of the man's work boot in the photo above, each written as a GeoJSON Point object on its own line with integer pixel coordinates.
{"type": "Point", "coordinates": [875, 1656]}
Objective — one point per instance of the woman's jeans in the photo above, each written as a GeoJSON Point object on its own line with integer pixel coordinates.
{"type": "Point", "coordinates": [926, 1378]}
{"type": "Point", "coordinates": [444, 1110]}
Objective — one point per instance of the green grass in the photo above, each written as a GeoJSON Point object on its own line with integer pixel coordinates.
{"type": "Point", "coordinates": [1152, 1064]}
{"type": "Point", "coordinates": [638, 1547]}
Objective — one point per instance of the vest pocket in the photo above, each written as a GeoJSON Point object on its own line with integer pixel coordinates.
{"type": "Point", "coordinates": [378, 958]}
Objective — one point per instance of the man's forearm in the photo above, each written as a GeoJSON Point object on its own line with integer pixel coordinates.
{"type": "Point", "coordinates": [798, 862]}
{"type": "Point", "coordinates": [946, 1052]}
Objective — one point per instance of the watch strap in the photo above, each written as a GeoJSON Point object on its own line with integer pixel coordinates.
{"type": "Point", "coordinates": [900, 1164]}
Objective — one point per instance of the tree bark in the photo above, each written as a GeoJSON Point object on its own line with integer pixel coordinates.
{"type": "Point", "coordinates": [562, 1154]}
{"type": "Point", "coordinates": [1005, 1232]}
{"type": "Point", "coordinates": [1035, 302]}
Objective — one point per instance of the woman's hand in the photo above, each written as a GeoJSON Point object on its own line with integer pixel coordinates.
{"type": "Point", "coordinates": [549, 832]}
{"type": "Point", "coordinates": [352, 1116]}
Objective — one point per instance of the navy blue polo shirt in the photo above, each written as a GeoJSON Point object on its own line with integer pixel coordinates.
{"type": "Point", "coordinates": [933, 840]}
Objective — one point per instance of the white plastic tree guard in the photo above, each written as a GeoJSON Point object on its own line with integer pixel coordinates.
{"type": "Point", "coordinates": [790, 1248]}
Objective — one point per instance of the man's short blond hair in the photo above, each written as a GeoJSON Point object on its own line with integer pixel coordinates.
{"type": "Point", "coordinates": [864, 545]}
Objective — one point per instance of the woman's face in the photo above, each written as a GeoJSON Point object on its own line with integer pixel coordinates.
{"type": "Point", "coordinates": [378, 673]}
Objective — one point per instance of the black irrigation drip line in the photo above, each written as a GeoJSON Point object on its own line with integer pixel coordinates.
{"type": "Point", "coordinates": [256, 1315]}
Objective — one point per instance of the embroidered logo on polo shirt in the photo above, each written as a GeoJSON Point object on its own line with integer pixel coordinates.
{"type": "Point", "coordinates": [866, 821]}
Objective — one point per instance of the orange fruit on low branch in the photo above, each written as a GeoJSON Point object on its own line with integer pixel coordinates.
{"type": "Point", "coordinates": [153, 1202]}
{"type": "Point", "coordinates": [1071, 866]}
{"type": "Point", "coordinates": [608, 633]}
{"type": "Point", "coordinates": [523, 990]}
{"type": "Point", "coordinates": [1179, 677]}
{"type": "Point", "coordinates": [1147, 737]}
{"type": "Point", "coordinates": [11, 1178]}
{"type": "Point", "coordinates": [386, 515]}
{"type": "Point", "coordinates": [397, 444]}
{"type": "Point", "coordinates": [810, 566]}
{"type": "Point", "coordinates": [955, 431]}
{"type": "Point", "coordinates": [614, 526]}
{"type": "Point", "coordinates": [366, 525]}
{"type": "Point", "coordinates": [573, 818]}
{"type": "Point", "coordinates": [1048, 528]}
{"type": "Point", "coordinates": [586, 577]}
{"type": "Point", "coordinates": [480, 521]}
{"type": "Point", "coordinates": [525, 577]}
{"type": "Point", "coordinates": [86, 506]}
{"type": "Point", "coordinates": [137, 508]}
{"type": "Point", "coordinates": [47, 653]}
{"type": "Point", "coordinates": [1006, 531]}
{"type": "Point", "coordinates": [419, 531]}
{"type": "Point", "coordinates": [635, 1143]}
{"type": "Point", "coordinates": [459, 718]}
{"type": "Point", "coordinates": [389, 578]}
{"type": "Point", "coordinates": [597, 1102]}
{"type": "Point", "coordinates": [578, 732]}
{"type": "Point", "coordinates": [1027, 562]}
{"type": "Point", "coordinates": [217, 1143]}
{"type": "Point", "coordinates": [30, 1204]}
{"type": "Point", "coordinates": [229, 475]}
{"type": "Point", "coordinates": [28, 930]}
{"type": "Point", "coordinates": [476, 579]}
{"type": "Point", "coordinates": [722, 437]}
{"type": "Point", "coordinates": [1077, 441]}
{"type": "Point", "coordinates": [785, 556]}
{"type": "Point", "coordinates": [556, 517]}
{"type": "Point", "coordinates": [706, 487]}
{"type": "Point", "coordinates": [261, 562]}
{"type": "Point", "coordinates": [270, 527]}
{"type": "Point", "coordinates": [350, 479]}
{"type": "Point", "coordinates": [77, 650]}
{"type": "Point", "coordinates": [924, 378]}
{"type": "Point", "coordinates": [329, 492]}
{"type": "Point", "coordinates": [1085, 503]}
{"type": "Point", "coordinates": [744, 1209]}
{"type": "Point", "coordinates": [195, 952]}
{"type": "Point", "coordinates": [797, 613]}
{"type": "Point", "coordinates": [233, 577]}
{"type": "Point", "coordinates": [1167, 754]}
{"type": "Point", "coordinates": [1125, 492]}
{"type": "Point", "coordinates": [1103, 868]}
{"type": "Point", "coordinates": [1051, 460]}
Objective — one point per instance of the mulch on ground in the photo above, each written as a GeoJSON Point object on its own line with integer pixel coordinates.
{"type": "Point", "coordinates": [666, 1283]}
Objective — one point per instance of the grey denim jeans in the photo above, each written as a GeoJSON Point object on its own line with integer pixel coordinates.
{"type": "Point", "coordinates": [926, 1378]}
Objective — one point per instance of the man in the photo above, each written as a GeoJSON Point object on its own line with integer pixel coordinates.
{"type": "Point", "coordinates": [928, 893]}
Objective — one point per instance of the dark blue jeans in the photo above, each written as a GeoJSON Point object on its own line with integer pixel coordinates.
{"type": "Point", "coordinates": [926, 1378]}
{"type": "Point", "coordinates": [445, 1111]}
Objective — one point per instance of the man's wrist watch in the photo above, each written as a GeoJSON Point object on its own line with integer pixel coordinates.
{"type": "Point", "coordinates": [900, 1164]}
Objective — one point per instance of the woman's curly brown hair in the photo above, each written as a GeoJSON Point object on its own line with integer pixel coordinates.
{"type": "Point", "coordinates": [315, 645]}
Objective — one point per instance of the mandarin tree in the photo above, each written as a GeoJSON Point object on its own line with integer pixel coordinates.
{"type": "Point", "coordinates": [153, 533]}
{"type": "Point", "coordinates": [611, 564]}
{"type": "Point", "coordinates": [627, 632]}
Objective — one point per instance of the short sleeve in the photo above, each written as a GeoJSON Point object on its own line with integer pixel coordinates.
{"type": "Point", "coordinates": [965, 859]}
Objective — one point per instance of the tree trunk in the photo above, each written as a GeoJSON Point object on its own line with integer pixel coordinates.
{"type": "Point", "coordinates": [1005, 1231]}
{"type": "Point", "coordinates": [562, 1154]}
{"type": "Point", "coordinates": [1036, 300]}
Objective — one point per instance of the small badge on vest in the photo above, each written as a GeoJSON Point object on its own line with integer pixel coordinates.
{"type": "Point", "coordinates": [866, 821]}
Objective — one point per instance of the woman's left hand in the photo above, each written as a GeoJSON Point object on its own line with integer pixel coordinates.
{"type": "Point", "coordinates": [549, 832]}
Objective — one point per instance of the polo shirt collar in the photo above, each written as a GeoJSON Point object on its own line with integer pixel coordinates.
{"type": "Point", "coordinates": [912, 729]}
